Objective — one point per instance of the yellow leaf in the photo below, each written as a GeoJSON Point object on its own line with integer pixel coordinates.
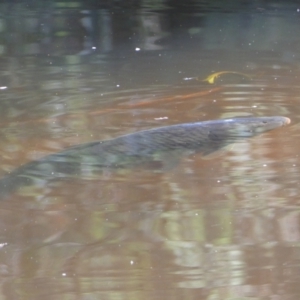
{"type": "Point", "coordinates": [212, 77]}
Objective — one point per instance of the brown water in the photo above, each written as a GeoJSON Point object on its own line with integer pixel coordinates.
{"type": "Point", "coordinates": [225, 227]}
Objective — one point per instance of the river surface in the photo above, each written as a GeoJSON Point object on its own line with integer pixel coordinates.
{"type": "Point", "coordinates": [226, 226]}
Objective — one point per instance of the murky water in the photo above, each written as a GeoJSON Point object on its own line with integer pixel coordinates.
{"type": "Point", "coordinates": [221, 227]}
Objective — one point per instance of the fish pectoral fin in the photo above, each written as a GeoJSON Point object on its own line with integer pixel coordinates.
{"type": "Point", "coordinates": [170, 160]}
{"type": "Point", "coordinates": [170, 163]}
{"type": "Point", "coordinates": [213, 153]}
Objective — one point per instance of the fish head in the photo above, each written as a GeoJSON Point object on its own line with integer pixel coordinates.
{"type": "Point", "coordinates": [228, 131]}
{"type": "Point", "coordinates": [252, 126]}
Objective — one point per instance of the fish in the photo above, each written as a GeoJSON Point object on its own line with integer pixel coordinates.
{"type": "Point", "coordinates": [161, 144]}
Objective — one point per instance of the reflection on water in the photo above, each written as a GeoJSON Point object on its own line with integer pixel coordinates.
{"type": "Point", "coordinates": [220, 228]}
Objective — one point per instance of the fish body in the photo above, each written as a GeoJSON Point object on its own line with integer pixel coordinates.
{"type": "Point", "coordinates": [158, 144]}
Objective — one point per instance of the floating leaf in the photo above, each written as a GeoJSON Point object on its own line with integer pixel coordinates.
{"type": "Point", "coordinates": [212, 77]}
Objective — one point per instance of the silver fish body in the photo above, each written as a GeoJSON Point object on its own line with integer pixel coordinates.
{"type": "Point", "coordinates": [158, 144]}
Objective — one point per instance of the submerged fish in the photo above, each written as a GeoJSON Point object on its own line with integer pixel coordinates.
{"type": "Point", "coordinates": [159, 144]}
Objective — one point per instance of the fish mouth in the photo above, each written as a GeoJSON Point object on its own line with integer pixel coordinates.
{"type": "Point", "coordinates": [278, 122]}
{"type": "Point", "coordinates": [286, 121]}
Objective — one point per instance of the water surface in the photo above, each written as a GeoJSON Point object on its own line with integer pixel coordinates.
{"type": "Point", "coordinates": [226, 227]}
